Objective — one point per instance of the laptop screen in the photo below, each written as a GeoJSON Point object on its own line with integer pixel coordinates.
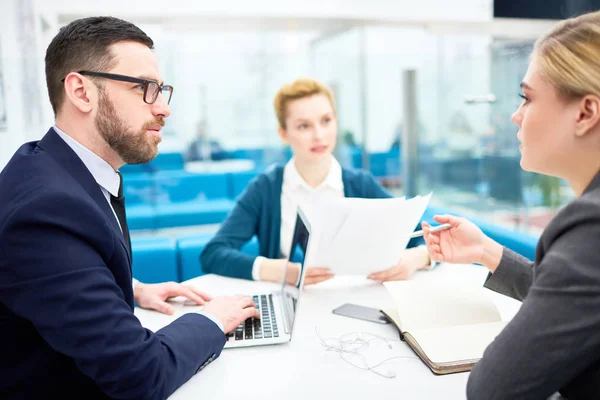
{"type": "Point", "coordinates": [295, 268]}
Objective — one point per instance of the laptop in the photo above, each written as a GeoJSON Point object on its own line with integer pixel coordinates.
{"type": "Point", "coordinates": [278, 310]}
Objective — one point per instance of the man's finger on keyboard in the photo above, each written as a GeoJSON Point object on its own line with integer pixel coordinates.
{"type": "Point", "coordinates": [250, 312]}
{"type": "Point", "coordinates": [246, 302]}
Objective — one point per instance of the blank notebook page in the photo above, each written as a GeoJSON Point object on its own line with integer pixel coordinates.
{"type": "Point", "coordinates": [425, 305]}
{"type": "Point", "coordinates": [463, 342]}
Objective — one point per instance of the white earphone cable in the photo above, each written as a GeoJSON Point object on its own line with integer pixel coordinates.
{"type": "Point", "coordinates": [344, 346]}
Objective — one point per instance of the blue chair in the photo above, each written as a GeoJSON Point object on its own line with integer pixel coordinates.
{"type": "Point", "coordinates": [356, 157]}
{"type": "Point", "coordinates": [188, 254]}
{"type": "Point", "coordinates": [139, 192]}
{"type": "Point", "coordinates": [251, 247]}
{"type": "Point", "coordinates": [385, 164]}
{"type": "Point", "coordinates": [256, 155]}
{"type": "Point", "coordinates": [193, 213]}
{"type": "Point", "coordinates": [162, 162]}
{"type": "Point", "coordinates": [182, 186]}
{"type": "Point", "coordinates": [154, 259]}
{"type": "Point", "coordinates": [141, 217]}
{"type": "Point", "coordinates": [135, 169]}
{"type": "Point", "coordinates": [516, 241]}
{"type": "Point", "coordinates": [238, 181]}
{"type": "Point", "coordinates": [185, 199]}
{"type": "Point", "coordinates": [167, 162]}
{"type": "Point", "coordinates": [138, 188]}
{"type": "Point", "coordinates": [190, 247]}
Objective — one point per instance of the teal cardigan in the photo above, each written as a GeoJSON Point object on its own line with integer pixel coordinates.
{"type": "Point", "coordinates": [258, 212]}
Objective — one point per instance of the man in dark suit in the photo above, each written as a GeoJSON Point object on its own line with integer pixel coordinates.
{"type": "Point", "coordinates": [67, 326]}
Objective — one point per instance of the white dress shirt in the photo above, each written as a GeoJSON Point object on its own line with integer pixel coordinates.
{"type": "Point", "coordinates": [296, 192]}
{"type": "Point", "coordinates": [108, 180]}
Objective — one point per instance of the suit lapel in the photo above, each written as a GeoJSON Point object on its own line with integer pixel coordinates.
{"type": "Point", "coordinates": [66, 157]}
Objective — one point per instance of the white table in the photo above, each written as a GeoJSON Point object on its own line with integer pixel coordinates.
{"type": "Point", "coordinates": [302, 368]}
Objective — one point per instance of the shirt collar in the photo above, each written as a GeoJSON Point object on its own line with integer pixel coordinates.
{"type": "Point", "coordinates": [333, 179]}
{"type": "Point", "coordinates": [102, 172]}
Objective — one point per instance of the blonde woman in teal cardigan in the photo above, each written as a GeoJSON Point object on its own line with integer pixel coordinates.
{"type": "Point", "coordinates": [306, 114]}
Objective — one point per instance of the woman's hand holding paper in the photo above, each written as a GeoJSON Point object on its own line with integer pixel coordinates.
{"type": "Point", "coordinates": [317, 274]}
{"type": "Point", "coordinates": [273, 269]}
{"type": "Point", "coordinates": [412, 260]}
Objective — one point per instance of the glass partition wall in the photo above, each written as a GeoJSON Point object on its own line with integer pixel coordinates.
{"type": "Point", "coordinates": [467, 88]}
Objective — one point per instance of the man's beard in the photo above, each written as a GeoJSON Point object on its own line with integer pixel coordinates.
{"type": "Point", "coordinates": [132, 147]}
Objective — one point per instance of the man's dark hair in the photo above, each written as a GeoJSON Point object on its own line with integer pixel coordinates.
{"type": "Point", "coordinates": [84, 45]}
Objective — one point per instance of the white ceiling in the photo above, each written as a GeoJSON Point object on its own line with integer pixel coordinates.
{"type": "Point", "coordinates": [325, 17]}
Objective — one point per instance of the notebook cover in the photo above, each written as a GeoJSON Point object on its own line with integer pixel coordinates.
{"type": "Point", "coordinates": [436, 368]}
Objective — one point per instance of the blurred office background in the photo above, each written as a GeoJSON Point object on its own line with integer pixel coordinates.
{"type": "Point", "coordinates": [226, 59]}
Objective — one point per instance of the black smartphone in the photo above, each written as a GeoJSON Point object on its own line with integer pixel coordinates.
{"type": "Point", "coordinates": [361, 312]}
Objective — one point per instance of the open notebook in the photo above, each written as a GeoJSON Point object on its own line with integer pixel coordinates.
{"type": "Point", "coordinates": [447, 324]}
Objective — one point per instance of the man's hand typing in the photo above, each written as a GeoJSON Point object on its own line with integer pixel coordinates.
{"type": "Point", "coordinates": [232, 310]}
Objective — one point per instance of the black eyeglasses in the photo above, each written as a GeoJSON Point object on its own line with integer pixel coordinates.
{"type": "Point", "coordinates": [151, 87]}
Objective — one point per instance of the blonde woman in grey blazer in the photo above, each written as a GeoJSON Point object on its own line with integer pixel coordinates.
{"type": "Point", "coordinates": [553, 342]}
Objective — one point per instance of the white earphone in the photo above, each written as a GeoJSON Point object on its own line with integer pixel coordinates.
{"type": "Point", "coordinates": [342, 345]}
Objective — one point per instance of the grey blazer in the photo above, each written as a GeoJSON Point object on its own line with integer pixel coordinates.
{"type": "Point", "coordinates": [553, 342]}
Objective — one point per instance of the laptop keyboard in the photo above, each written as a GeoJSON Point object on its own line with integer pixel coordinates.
{"type": "Point", "coordinates": [254, 328]}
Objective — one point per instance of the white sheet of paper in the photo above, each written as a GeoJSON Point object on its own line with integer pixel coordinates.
{"type": "Point", "coordinates": [330, 214]}
{"type": "Point", "coordinates": [361, 236]}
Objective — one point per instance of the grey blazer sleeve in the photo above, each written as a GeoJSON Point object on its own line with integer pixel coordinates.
{"type": "Point", "coordinates": [554, 337]}
{"type": "Point", "coordinates": [513, 277]}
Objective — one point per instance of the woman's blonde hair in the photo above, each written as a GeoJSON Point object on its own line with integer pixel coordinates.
{"type": "Point", "coordinates": [298, 89]}
{"type": "Point", "coordinates": [569, 56]}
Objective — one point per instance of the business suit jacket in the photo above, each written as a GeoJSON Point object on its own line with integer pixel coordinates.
{"type": "Point", "coordinates": [67, 325]}
{"type": "Point", "coordinates": [553, 342]}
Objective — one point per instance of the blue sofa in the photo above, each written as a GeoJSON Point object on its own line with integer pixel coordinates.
{"type": "Point", "coordinates": [155, 259]}
{"type": "Point", "coordinates": [139, 191]}
{"type": "Point", "coordinates": [239, 181]}
{"type": "Point", "coordinates": [162, 162]}
{"type": "Point", "coordinates": [172, 198]}
{"type": "Point", "coordinates": [184, 199]}
{"type": "Point", "coordinates": [190, 247]}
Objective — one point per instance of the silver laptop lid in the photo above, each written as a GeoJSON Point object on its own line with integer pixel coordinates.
{"type": "Point", "coordinates": [290, 294]}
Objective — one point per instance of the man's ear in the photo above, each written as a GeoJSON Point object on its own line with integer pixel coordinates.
{"type": "Point", "coordinates": [589, 115]}
{"type": "Point", "coordinates": [79, 92]}
{"type": "Point", "coordinates": [283, 133]}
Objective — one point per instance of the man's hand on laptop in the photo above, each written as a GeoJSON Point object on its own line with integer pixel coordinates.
{"type": "Point", "coordinates": [232, 310]}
